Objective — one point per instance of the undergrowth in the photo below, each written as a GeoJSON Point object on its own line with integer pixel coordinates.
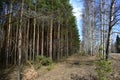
{"type": "Point", "coordinates": [44, 61]}
{"type": "Point", "coordinates": [103, 67]}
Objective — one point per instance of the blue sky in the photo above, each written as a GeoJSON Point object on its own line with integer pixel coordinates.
{"type": "Point", "coordinates": [77, 11]}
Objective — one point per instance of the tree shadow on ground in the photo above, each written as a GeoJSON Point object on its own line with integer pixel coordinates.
{"type": "Point", "coordinates": [87, 77]}
{"type": "Point", "coordinates": [4, 73]}
{"type": "Point", "coordinates": [78, 63]}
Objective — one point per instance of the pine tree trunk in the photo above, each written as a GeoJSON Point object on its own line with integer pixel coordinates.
{"type": "Point", "coordinates": [71, 47]}
{"type": "Point", "coordinates": [51, 46]}
{"type": "Point", "coordinates": [16, 43]}
{"type": "Point", "coordinates": [51, 33]}
{"type": "Point", "coordinates": [48, 39]}
{"type": "Point", "coordinates": [20, 40]}
{"type": "Point", "coordinates": [58, 38]}
{"type": "Point", "coordinates": [61, 43]}
{"type": "Point", "coordinates": [42, 42]}
{"type": "Point", "coordinates": [9, 32]}
{"type": "Point", "coordinates": [53, 50]}
{"type": "Point", "coordinates": [38, 39]}
{"type": "Point", "coordinates": [34, 36]}
{"type": "Point", "coordinates": [27, 38]}
{"type": "Point", "coordinates": [67, 38]}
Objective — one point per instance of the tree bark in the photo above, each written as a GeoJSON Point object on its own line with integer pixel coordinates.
{"type": "Point", "coordinates": [34, 24]}
{"type": "Point", "coordinates": [9, 32]}
{"type": "Point", "coordinates": [38, 39]}
{"type": "Point", "coordinates": [110, 28]}
{"type": "Point", "coordinates": [27, 37]}
{"type": "Point", "coordinates": [58, 38]}
{"type": "Point", "coordinates": [51, 30]}
{"type": "Point", "coordinates": [67, 38]}
{"type": "Point", "coordinates": [42, 42]}
{"type": "Point", "coordinates": [20, 40]}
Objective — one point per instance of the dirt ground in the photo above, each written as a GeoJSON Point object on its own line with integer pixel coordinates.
{"type": "Point", "coordinates": [75, 67]}
{"type": "Point", "coordinates": [78, 68]}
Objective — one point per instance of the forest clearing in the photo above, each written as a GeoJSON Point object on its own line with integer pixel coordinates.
{"type": "Point", "coordinates": [76, 67]}
{"type": "Point", "coordinates": [79, 67]}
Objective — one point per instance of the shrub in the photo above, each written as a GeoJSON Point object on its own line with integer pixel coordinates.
{"type": "Point", "coordinates": [47, 61]}
{"type": "Point", "coordinates": [103, 68]}
{"type": "Point", "coordinates": [43, 61]}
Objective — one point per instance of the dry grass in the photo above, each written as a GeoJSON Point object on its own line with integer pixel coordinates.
{"type": "Point", "coordinates": [75, 67]}
{"type": "Point", "coordinates": [79, 67]}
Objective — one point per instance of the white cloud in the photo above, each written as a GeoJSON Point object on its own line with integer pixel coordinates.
{"type": "Point", "coordinates": [77, 8]}
{"type": "Point", "coordinates": [77, 12]}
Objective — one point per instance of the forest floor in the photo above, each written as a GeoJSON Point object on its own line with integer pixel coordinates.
{"type": "Point", "coordinates": [78, 67]}
{"type": "Point", "coordinates": [75, 67]}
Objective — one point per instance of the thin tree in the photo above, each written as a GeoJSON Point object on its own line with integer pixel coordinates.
{"type": "Point", "coordinates": [20, 40]}
{"type": "Point", "coordinates": [111, 18]}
